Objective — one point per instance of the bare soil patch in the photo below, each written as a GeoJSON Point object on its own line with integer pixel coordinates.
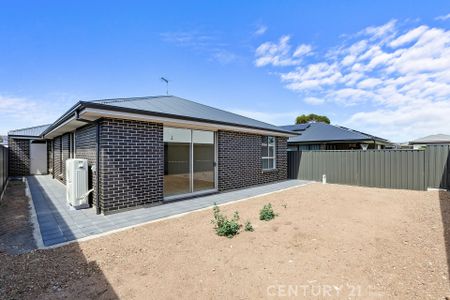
{"type": "Point", "coordinates": [16, 229]}
{"type": "Point", "coordinates": [374, 243]}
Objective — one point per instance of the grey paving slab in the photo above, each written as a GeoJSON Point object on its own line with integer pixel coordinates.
{"type": "Point", "coordinates": [60, 223]}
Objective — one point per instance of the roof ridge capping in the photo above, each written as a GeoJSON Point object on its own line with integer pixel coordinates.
{"type": "Point", "coordinates": [126, 99]}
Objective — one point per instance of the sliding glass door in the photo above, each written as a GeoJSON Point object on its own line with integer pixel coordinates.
{"type": "Point", "coordinates": [177, 166]}
{"type": "Point", "coordinates": [203, 160]}
{"type": "Point", "coordinates": [189, 161]}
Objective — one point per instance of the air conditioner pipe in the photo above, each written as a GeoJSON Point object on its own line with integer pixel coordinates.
{"type": "Point", "coordinates": [87, 194]}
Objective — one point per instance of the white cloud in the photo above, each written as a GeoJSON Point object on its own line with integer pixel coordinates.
{"type": "Point", "coordinates": [408, 37]}
{"type": "Point", "coordinates": [382, 30]}
{"type": "Point", "coordinates": [194, 39]}
{"type": "Point", "coordinates": [314, 101]}
{"type": "Point", "coordinates": [397, 77]}
{"type": "Point", "coordinates": [17, 112]}
{"type": "Point", "coordinates": [405, 123]}
{"type": "Point", "coordinates": [224, 57]}
{"type": "Point", "coordinates": [260, 30]}
{"type": "Point", "coordinates": [443, 18]}
{"type": "Point", "coordinates": [203, 43]}
{"type": "Point", "coordinates": [302, 50]}
{"type": "Point", "coordinates": [277, 118]}
{"type": "Point", "coordinates": [279, 54]}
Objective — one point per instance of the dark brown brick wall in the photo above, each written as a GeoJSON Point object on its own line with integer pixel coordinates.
{"type": "Point", "coordinates": [131, 164]}
{"type": "Point", "coordinates": [239, 161]}
{"type": "Point", "coordinates": [19, 157]}
{"type": "Point", "coordinates": [50, 156]}
{"type": "Point", "coordinates": [61, 150]}
{"type": "Point", "coordinates": [86, 148]}
{"type": "Point", "coordinates": [57, 146]}
{"type": "Point", "coordinates": [65, 154]}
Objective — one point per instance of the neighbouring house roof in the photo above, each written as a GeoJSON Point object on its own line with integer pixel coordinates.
{"type": "Point", "coordinates": [4, 141]}
{"type": "Point", "coordinates": [432, 139]}
{"type": "Point", "coordinates": [167, 107]}
{"type": "Point", "coordinates": [322, 133]}
{"type": "Point", "coordinates": [35, 131]}
{"type": "Point", "coordinates": [296, 127]}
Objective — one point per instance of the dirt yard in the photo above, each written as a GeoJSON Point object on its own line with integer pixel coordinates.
{"type": "Point", "coordinates": [328, 241]}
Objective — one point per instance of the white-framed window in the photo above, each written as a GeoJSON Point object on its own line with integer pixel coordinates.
{"type": "Point", "coordinates": [268, 153]}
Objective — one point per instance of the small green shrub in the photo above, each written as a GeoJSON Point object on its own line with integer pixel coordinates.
{"type": "Point", "coordinates": [267, 213]}
{"type": "Point", "coordinates": [248, 226]}
{"type": "Point", "coordinates": [224, 226]}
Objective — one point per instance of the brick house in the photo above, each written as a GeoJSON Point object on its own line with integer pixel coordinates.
{"type": "Point", "coordinates": [147, 150]}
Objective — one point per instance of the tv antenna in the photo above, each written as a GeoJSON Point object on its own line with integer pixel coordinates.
{"type": "Point", "coordinates": [167, 84]}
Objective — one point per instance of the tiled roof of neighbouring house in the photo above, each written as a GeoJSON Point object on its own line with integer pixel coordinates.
{"type": "Point", "coordinates": [322, 132]}
{"type": "Point", "coordinates": [177, 107]}
{"type": "Point", "coordinates": [35, 131]}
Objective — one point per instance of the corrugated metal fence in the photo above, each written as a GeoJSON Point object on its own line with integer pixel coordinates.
{"type": "Point", "coordinates": [397, 169]}
{"type": "Point", "coordinates": [3, 168]}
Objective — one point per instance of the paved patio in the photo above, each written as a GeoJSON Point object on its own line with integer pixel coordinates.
{"type": "Point", "coordinates": [60, 223]}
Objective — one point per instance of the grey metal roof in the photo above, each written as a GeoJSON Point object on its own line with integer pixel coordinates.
{"type": "Point", "coordinates": [296, 127]}
{"type": "Point", "coordinates": [35, 131]}
{"type": "Point", "coordinates": [322, 132]}
{"type": "Point", "coordinates": [433, 139]}
{"type": "Point", "coordinates": [177, 107]}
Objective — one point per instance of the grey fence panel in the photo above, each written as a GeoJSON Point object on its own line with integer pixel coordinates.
{"type": "Point", "coordinates": [3, 168]}
{"type": "Point", "coordinates": [438, 166]}
{"type": "Point", "coordinates": [398, 169]}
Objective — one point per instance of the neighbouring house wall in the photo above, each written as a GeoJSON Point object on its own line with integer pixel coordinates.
{"type": "Point", "coordinates": [239, 161]}
{"type": "Point", "coordinates": [19, 157]}
{"type": "Point", "coordinates": [131, 164]}
{"type": "Point", "coordinates": [86, 148]}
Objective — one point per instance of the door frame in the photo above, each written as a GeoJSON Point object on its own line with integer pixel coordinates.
{"type": "Point", "coordinates": [45, 142]}
{"type": "Point", "coordinates": [191, 169]}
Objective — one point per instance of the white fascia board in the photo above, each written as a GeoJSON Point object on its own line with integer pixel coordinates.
{"type": "Point", "coordinates": [60, 129]}
{"type": "Point", "coordinates": [95, 113]}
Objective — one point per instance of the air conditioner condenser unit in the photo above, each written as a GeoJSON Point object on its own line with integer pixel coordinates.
{"type": "Point", "coordinates": [77, 185]}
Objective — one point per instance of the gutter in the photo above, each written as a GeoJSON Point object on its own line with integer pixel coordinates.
{"type": "Point", "coordinates": [63, 118]}
{"type": "Point", "coordinates": [25, 137]}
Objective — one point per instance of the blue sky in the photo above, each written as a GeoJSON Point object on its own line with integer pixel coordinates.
{"type": "Point", "coordinates": [376, 66]}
